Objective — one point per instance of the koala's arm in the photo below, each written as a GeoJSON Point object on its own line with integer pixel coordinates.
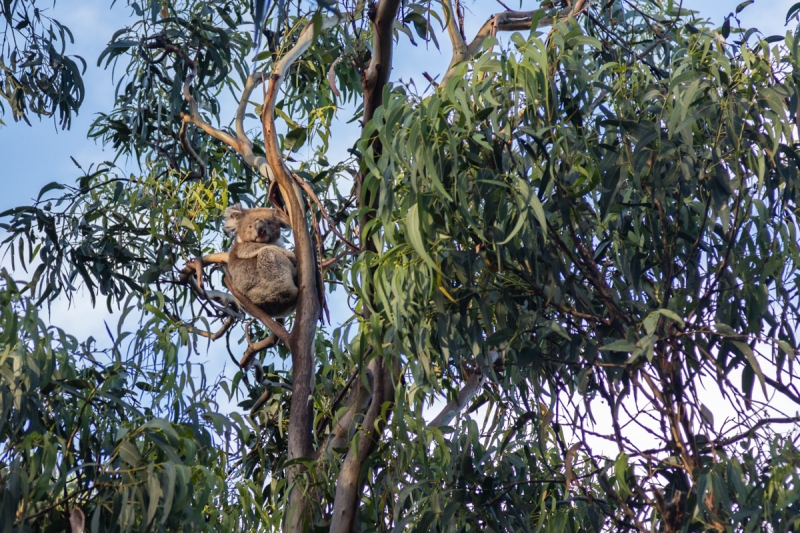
{"type": "Point", "coordinates": [289, 255]}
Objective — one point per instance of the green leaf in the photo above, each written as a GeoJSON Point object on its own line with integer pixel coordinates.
{"type": "Point", "coordinates": [651, 321]}
{"type": "Point", "coordinates": [724, 329]}
{"type": "Point", "coordinates": [620, 472]}
{"type": "Point", "coordinates": [415, 237]}
{"type": "Point", "coordinates": [53, 185]}
{"type": "Point", "coordinates": [791, 13]}
{"type": "Point", "coordinates": [751, 358]}
{"type": "Point", "coordinates": [787, 348]}
{"type": "Point", "coordinates": [707, 415]}
{"type": "Point", "coordinates": [620, 345]}
{"type": "Point", "coordinates": [129, 453]}
{"type": "Point", "coordinates": [743, 5]}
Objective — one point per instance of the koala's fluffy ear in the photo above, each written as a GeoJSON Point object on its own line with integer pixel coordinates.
{"type": "Point", "coordinates": [233, 215]}
{"type": "Point", "coordinates": [282, 219]}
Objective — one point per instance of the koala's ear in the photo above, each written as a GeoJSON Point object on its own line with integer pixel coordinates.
{"type": "Point", "coordinates": [233, 215]}
{"type": "Point", "coordinates": [282, 219]}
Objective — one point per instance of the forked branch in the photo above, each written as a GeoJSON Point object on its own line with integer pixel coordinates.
{"type": "Point", "coordinates": [240, 143]}
{"type": "Point", "coordinates": [505, 21]}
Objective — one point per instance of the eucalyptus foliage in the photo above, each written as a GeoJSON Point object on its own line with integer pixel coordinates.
{"type": "Point", "coordinates": [37, 76]}
{"type": "Point", "coordinates": [574, 237]}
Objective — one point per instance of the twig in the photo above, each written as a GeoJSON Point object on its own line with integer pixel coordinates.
{"type": "Point", "coordinates": [306, 187]}
{"type": "Point", "coordinates": [332, 77]}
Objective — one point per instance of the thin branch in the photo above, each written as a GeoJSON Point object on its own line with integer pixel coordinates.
{"type": "Point", "coordinates": [327, 263]}
{"type": "Point", "coordinates": [310, 192]}
{"type": "Point", "coordinates": [749, 433]}
{"type": "Point", "coordinates": [257, 347]}
{"type": "Point", "coordinates": [332, 77]}
{"type": "Point", "coordinates": [187, 146]}
{"type": "Point", "coordinates": [212, 336]}
{"type": "Point", "coordinates": [245, 146]}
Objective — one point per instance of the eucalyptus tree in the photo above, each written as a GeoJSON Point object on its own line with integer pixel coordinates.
{"type": "Point", "coordinates": [568, 239]}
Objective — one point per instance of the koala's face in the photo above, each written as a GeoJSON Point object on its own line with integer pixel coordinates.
{"type": "Point", "coordinates": [255, 225]}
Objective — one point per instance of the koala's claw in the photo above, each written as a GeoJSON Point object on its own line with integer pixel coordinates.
{"type": "Point", "coordinates": [194, 266]}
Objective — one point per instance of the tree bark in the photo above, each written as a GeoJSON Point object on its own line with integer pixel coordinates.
{"type": "Point", "coordinates": [301, 339]}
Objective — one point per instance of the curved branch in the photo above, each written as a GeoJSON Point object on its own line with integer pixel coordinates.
{"type": "Point", "coordinates": [255, 348]}
{"type": "Point", "coordinates": [301, 342]}
{"type": "Point", "coordinates": [187, 145]}
{"type": "Point", "coordinates": [209, 335]}
{"type": "Point", "coordinates": [253, 310]}
{"type": "Point", "coordinates": [245, 146]}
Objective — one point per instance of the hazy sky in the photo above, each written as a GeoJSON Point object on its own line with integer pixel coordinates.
{"type": "Point", "coordinates": [34, 156]}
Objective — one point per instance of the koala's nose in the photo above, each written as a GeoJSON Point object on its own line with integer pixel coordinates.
{"type": "Point", "coordinates": [261, 228]}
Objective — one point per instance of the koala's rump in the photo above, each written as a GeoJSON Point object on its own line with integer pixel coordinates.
{"type": "Point", "coordinates": [267, 278]}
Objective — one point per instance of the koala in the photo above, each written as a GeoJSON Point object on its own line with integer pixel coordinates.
{"type": "Point", "coordinates": [260, 268]}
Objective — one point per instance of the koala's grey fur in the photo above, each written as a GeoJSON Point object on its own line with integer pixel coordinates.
{"type": "Point", "coordinates": [260, 268]}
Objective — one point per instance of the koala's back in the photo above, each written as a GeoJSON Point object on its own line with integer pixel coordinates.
{"type": "Point", "coordinates": [265, 275]}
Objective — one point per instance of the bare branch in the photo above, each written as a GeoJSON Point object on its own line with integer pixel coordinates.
{"type": "Point", "coordinates": [751, 431]}
{"type": "Point", "coordinates": [473, 386]}
{"type": "Point", "coordinates": [332, 77]}
{"type": "Point", "coordinates": [505, 21]}
{"type": "Point", "coordinates": [213, 336]}
{"type": "Point", "coordinates": [187, 146]}
{"type": "Point", "coordinates": [255, 348]}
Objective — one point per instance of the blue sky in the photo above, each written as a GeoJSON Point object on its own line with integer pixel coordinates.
{"type": "Point", "coordinates": [34, 156]}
